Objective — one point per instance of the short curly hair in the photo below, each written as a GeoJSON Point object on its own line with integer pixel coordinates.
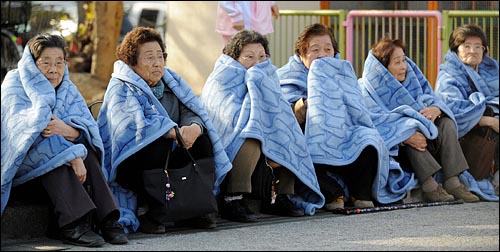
{"type": "Point", "coordinates": [128, 50]}
{"type": "Point", "coordinates": [242, 38]}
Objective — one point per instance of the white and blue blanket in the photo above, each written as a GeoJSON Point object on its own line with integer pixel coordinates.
{"type": "Point", "coordinates": [131, 117]}
{"type": "Point", "coordinates": [453, 86]}
{"type": "Point", "coordinates": [338, 125]}
{"type": "Point", "coordinates": [394, 107]}
{"type": "Point", "coordinates": [248, 104]}
{"type": "Point", "coordinates": [28, 101]}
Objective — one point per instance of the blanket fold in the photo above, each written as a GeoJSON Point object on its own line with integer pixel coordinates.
{"type": "Point", "coordinates": [453, 86]}
{"type": "Point", "coordinates": [131, 117]}
{"type": "Point", "coordinates": [248, 104]}
{"type": "Point", "coordinates": [387, 98]}
{"type": "Point", "coordinates": [338, 125]}
{"type": "Point", "coordinates": [28, 101]}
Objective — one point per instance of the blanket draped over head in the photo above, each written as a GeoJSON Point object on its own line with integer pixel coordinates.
{"type": "Point", "coordinates": [28, 101]}
{"type": "Point", "coordinates": [395, 106]}
{"type": "Point", "coordinates": [453, 85]}
{"type": "Point", "coordinates": [248, 104]}
{"type": "Point", "coordinates": [131, 117]}
{"type": "Point", "coordinates": [338, 125]}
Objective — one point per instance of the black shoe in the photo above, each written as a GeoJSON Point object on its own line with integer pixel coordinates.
{"type": "Point", "coordinates": [81, 235]}
{"type": "Point", "coordinates": [207, 221]}
{"type": "Point", "coordinates": [149, 226]}
{"type": "Point", "coordinates": [113, 233]}
{"type": "Point", "coordinates": [238, 211]}
{"type": "Point", "coordinates": [283, 206]}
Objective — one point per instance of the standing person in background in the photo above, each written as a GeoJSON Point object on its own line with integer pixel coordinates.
{"type": "Point", "coordinates": [468, 83]}
{"type": "Point", "coordinates": [234, 16]}
{"type": "Point", "coordinates": [49, 135]}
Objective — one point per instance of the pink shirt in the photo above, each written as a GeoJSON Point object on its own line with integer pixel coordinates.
{"type": "Point", "coordinates": [256, 14]}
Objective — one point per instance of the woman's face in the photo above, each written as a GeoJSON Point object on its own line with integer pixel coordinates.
{"type": "Point", "coordinates": [150, 62]}
{"type": "Point", "coordinates": [252, 54]}
{"type": "Point", "coordinates": [397, 64]}
{"type": "Point", "coordinates": [52, 65]}
{"type": "Point", "coordinates": [471, 51]}
{"type": "Point", "coordinates": [319, 47]}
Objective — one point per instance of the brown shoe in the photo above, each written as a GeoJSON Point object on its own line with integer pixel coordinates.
{"type": "Point", "coordinates": [461, 192]}
{"type": "Point", "coordinates": [336, 204]}
{"type": "Point", "coordinates": [438, 195]}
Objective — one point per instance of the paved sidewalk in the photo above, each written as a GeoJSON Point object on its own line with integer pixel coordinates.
{"type": "Point", "coordinates": [469, 226]}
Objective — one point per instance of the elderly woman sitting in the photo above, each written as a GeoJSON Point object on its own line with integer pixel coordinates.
{"type": "Point", "coordinates": [422, 129]}
{"type": "Point", "coordinates": [48, 134]}
{"type": "Point", "coordinates": [243, 99]}
{"type": "Point", "coordinates": [142, 104]}
{"type": "Point", "coordinates": [468, 83]}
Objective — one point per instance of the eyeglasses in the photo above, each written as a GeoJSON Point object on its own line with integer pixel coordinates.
{"type": "Point", "coordinates": [251, 58]}
{"type": "Point", "coordinates": [45, 64]}
{"type": "Point", "coordinates": [468, 47]}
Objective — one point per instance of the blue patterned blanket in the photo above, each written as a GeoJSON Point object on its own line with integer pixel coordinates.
{"type": "Point", "coordinates": [394, 108]}
{"type": "Point", "coordinates": [453, 85]}
{"type": "Point", "coordinates": [131, 117]}
{"type": "Point", "coordinates": [248, 104]}
{"type": "Point", "coordinates": [338, 126]}
{"type": "Point", "coordinates": [28, 101]}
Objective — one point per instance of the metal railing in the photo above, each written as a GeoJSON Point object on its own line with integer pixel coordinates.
{"type": "Point", "coordinates": [425, 33]}
{"type": "Point", "coordinates": [488, 20]}
{"type": "Point", "coordinates": [419, 30]}
{"type": "Point", "coordinates": [291, 23]}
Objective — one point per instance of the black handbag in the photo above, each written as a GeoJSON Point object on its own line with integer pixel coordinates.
{"type": "Point", "coordinates": [187, 191]}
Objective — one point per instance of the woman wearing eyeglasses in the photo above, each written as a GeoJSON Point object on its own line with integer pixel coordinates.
{"type": "Point", "coordinates": [142, 104]}
{"type": "Point", "coordinates": [256, 126]}
{"type": "Point", "coordinates": [49, 135]}
{"type": "Point", "coordinates": [468, 83]}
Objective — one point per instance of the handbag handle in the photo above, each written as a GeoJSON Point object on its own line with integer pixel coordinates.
{"type": "Point", "coordinates": [181, 143]}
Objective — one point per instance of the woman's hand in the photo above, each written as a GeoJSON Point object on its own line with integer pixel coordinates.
{"type": "Point", "coordinates": [190, 134]}
{"type": "Point", "coordinates": [239, 25]}
{"type": "Point", "coordinates": [489, 121]}
{"type": "Point", "coordinates": [59, 127]}
{"type": "Point", "coordinates": [300, 109]}
{"type": "Point", "coordinates": [79, 169]}
{"type": "Point", "coordinates": [417, 141]}
{"type": "Point", "coordinates": [431, 113]}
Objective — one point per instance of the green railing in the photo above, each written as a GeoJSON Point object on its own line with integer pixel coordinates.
{"type": "Point", "coordinates": [291, 23]}
{"type": "Point", "coordinates": [488, 20]}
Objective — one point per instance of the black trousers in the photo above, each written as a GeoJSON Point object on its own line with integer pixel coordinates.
{"type": "Point", "coordinates": [358, 176]}
{"type": "Point", "coordinates": [153, 156]}
{"type": "Point", "coordinates": [71, 199]}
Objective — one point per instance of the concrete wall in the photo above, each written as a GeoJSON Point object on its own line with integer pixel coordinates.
{"type": "Point", "coordinates": [193, 46]}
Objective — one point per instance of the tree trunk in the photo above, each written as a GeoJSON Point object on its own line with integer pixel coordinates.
{"type": "Point", "coordinates": [107, 23]}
